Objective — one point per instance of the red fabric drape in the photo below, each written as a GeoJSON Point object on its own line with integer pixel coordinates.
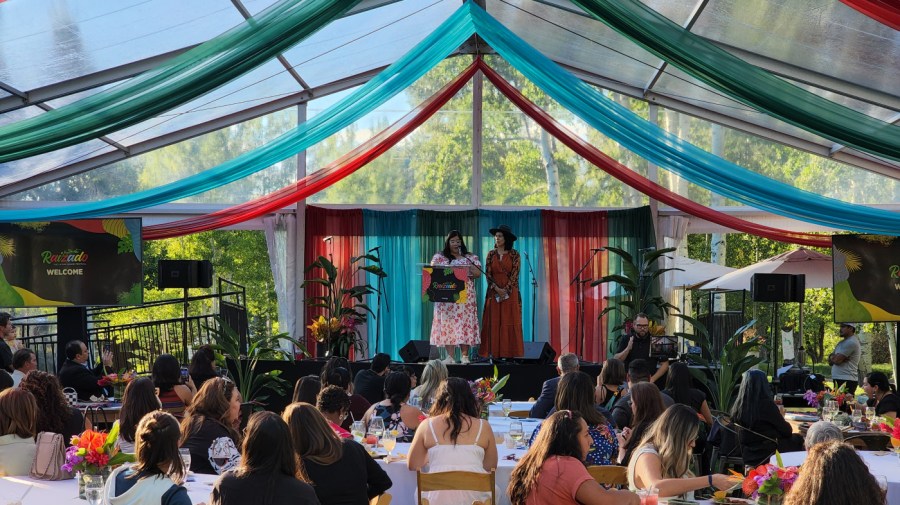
{"type": "Point", "coordinates": [568, 240]}
{"type": "Point", "coordinates": [345, 227]}
{"type": "Point", "coordinates": [635, 180]}
{"type": "Point", "coordinates": [321, 179]}
{"type": "Point", "coordinates": [886, 12]}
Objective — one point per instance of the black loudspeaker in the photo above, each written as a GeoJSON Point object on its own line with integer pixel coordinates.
{"type": "Point", "coordinates": [539, 353]}
{"type": "Point", "coordinates": [71, 324]}
{"type": "Point", "coordinates": [778, 288]}
{"type": "Point", "coordinates": [418, 351]}
{"type": "Point", "coordinates": [798, 288]}
{"type": "Point", "coordinates": [185, 274]}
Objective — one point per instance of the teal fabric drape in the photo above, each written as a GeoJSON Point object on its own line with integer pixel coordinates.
{"type": "Point", "coordinates": [400, 252]}
{"type": "Point", "coordinates": [745, 82]}
{"type": "Point", "coordinates": [175, 82]}
{"type": "Point", "coordinates": [527, 227]}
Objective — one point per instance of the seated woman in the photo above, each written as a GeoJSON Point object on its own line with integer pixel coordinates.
{"type": "Point", "coordinates": [166, 376]}
{"type": "Point", "coordinates": [680, 387]}
{"type": "Point", "coordinates": [18, 422]}
{"type": "Point", "coordinates": [761, 426]}
{"type": "Point", "coordinates": [454, 438]}
{"type": "Point", "coordinates": [433, 375]}
{"type": "Point", "coordinates": [307, 389]}
{"type": "Point", "coordinates": [54, 414]}
{"type": "Point", "coordinates": [334, 404]}
{"type": "Point", "coordinates": [552, 472]}
{"type": "Point", "coordinates": [139, 400]}
{"type": "Point", "coordinates": [393, 409]}
{"type": "Point", "coordinates": [157, 475]}
{"type": "Point", "coordinates": [882, 394]}
{"type": "Point", "coordinates": [340, 377]}
{"type": "Point", "coordinates": [834, 474]}
{"type": "Point", "coordinates": [610, 384]}
{"type": "Point", "coordinates": [576, 393]}
{"type": "Point", "coordinates": [646, 407]}
{"type": "Point", "coordinates": [340, 470]}
{"type": "Point", "coordinates": [267, 474]}
{"type": "Point", "coordinates": [203, 365]}
{"type": "Point", "coordinates": [209, 428]}
{"type": "Point", "coordinates": [822, 431]}
{"type": "Point", "coordinates": [663, 455]}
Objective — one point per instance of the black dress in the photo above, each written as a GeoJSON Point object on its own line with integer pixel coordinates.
{"type": "Point", "coordinates": [353, 480]}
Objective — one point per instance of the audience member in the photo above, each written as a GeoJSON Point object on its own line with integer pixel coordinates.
{"type": "Point", "coordinates": [267, 474]}
{"type": "Point", "coordinates": [638, 372]}
{"type": "Point", "coordinates": [576, 393]}
{"type": "Point", "coordinates": [680, 387]}
{"type": "Point", "coordinates": [433, 375]}
{"type": "Point", "coordinates": [54, 412]}
{"type": "Point", "coordinates": [844, 360]}
{"type": "Point", "coordinates": [6, 380]}
{"type": "Point", "coordinates": [646, 407]}
{"type": "Point", "coordinates": [610, 384]}
{"type": "Point", "coordinates": [454, 438]}
{"type": "Point", "coordinates": [18, 427]}
{"type": "Point", "coordinates": [8, 342]}
{"type": "Point", "coordinates": [209, 429]}
{"type": "Point", "coordinates": [334, 404]}
{"type": "Point", "coordinates": [636, 345]}
{"type": "Point", "coordinates": [393, 409]}
{"type": "Point", "coordinates": [411, 372]}
{"type": "Point", "coordinates": [173, 391]}
{"type": "Point", "coordinates": [340, 470]}
{"type": "Point", "coordinates": [139, 400]}
{"type": "Point", "coordinates": [24, 361]}
{"type": "Point", "coordinates": [834, 474]}
{"type": "Point", "coordinates": [370, 383]}
{"type": "Point", "coordinates": [307, 389]}
{"type": "Point", "coordinates": [822, 431]}
{"type": "Point", "coordinates": [552, 472]}
{"type": "Point", "coordinates": [882, 394]}
{"type": "Point", "coordinates": [566, 363]}
{"type": "Point", "coordinates": [203, 365]}
{"type": "Point", "coordinates": [760, 423]}
{"type": "Point", "coordinates": [340, 377]}
{"type": "Point", "coordinates": [158, 473]}
{"type": "Point", "coordinates": [664, 454]}
{"type": "Point", "coordinates": [75, 374]}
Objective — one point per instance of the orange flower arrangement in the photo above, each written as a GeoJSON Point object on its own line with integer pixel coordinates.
{"type": "Point", "coordinates": [92, 451]}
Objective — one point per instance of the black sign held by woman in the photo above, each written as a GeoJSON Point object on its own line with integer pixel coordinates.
{"type": "Point", "coordinates": [444, 284]}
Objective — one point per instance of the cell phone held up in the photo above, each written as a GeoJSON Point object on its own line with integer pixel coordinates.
{"type": "Point", "coordinates": [184, 375]}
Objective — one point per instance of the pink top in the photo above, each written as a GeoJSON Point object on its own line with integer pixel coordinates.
{"type": "Point", "coordinates": [341, 432]}
{"type": "Point", "coordinates": [559, 480]}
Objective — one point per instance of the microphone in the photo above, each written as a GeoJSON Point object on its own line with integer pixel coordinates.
{"type": "Point", "coordinates": [375, 248]}
{"type": "Point", "coordinates": [328, 238]}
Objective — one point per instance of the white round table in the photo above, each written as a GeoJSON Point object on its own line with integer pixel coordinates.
{"type": "Point", "coordinates": [879, 463]}
{"type": "Point", "coordinates": [44, 492]}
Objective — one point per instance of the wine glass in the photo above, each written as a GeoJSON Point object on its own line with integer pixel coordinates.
{"type": "Point", "coordinates": [870, 416]}
{"type": "Point", "coordinates": [389, 441]}
{"type": "Point", "coordinates": [507, 407]}
{"type": "Point", "coordinates": [376, 427]}
{"type": "Point", "coordinates": [185, 454]}
{"type": "Point", "coordinates": [93, 489]}
{"type": "Point", "coordinates": [516, 432]}
{"type": "Point", "coordinates": [358, 430]}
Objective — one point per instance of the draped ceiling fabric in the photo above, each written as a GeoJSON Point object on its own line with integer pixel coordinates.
{"type": "Point", "coordinates": [884, 11]}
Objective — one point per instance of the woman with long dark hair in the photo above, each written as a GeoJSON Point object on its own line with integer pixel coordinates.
{"type": "Point", "coordinates": [610, 384]}
{"type": "Point", "coordinates": [54, 414]}
{"type": "Point", "coordinates": [552, 472]}
{"type": "Point", "coordinates": [341, 377]}
{"type": "Point", "coordinates": [139, 400]}
{"type": "Point", "coordinates": [834, 474]}
{"type": "Point", "coordinates": [456, 324]}
{"type": "Point", "coordinates": [882, 394]}
{"type": "Point", "coordinates": [646, 406]}
{"type": "Point", "coordinates": [680, 387]}
{"type": "Point", "coordinates": [760, 423]}
{"type": "Point", "coordinates": [454, 438]}
{"type": "Point", "coordinates": [203, 365]}
{"type": "Point", "coordinates": [267, 474]}
{"type": "Point", "coordinates": [397, 414]}
{"type": "Point", "coordinates": [209, 429]}
{"type": "Point", "coordinates": [307, 389]}
{"type": "Point", "coordinates": [501, 323]}
{"type": "Point", "coordinates": [340, 471]}
{"type": "Point", "coordinates": [166, 376]}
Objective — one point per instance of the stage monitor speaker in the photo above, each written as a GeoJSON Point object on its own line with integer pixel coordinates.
{"type": "Point", "coordinates": [418, 351]}
{"type": "Point", "coordinates": [771, 287]}
{"type": "Point", "coordinates": [537, 353]}
{"type": "Point", "coordinates": [185, 274]}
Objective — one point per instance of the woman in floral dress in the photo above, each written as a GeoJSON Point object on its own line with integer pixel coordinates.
{"type": "Point", "coordinates": [456, 324]}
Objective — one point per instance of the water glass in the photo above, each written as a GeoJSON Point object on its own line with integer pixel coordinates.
{"type": "Point", "coordinates": [857, 415]}
{"type": "Point", "coordinates": [358, 430]}
{"type": "Point", "coordinates": [507, 407]}
{"type": "Point", "coordinates": [185, 458]}
{"type": "Point", "coordinates": [870, 416]}
{"type": "Point", "coordinates": [93, 489]}
{"type": "Point", "coordinates": [376, 426]}
{"type": "Point", "coordinates": [516, 432]}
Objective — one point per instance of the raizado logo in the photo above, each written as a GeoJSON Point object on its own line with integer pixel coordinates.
{"type": "Point", "coordinates": [70, 257]}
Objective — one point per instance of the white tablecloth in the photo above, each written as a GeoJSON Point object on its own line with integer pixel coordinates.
{"type": "Point", "coordinates": [47, 492]}
{"type": "Point", "coordinates": [887, 465]}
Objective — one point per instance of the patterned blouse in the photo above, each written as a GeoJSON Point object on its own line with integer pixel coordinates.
{"type": "Point", "coordinates": [604, 446]}
{"type": "Point", "coordinates": [392, 421]}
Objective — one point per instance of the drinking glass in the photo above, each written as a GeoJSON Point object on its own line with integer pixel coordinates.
{"type": "Point", "coordinates": [186, 458]}
{"type": "Point", "coordinates": [857, 415]}
{"type": "Point", "coordinates": [870, 416]}
{"type": "Point", "coordinates": [93, 489]}
{"type": "Point", "coordinates": [649, 496]}
{"type": "Point", "coordinates": [358, 430]}
{"type": "Point", "coordinates": [389, 441]}
{"type": "Point", "coordinates": [516, 432]}
{"type": "Point", "coordinates": [507, 407]}
{"type": "Point", "coordinates": [376, 427]}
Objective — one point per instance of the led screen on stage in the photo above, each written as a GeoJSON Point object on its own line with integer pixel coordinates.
{"type": "Point", "coordinates": [866, 278]}
{"type": "Point", "coordinates": [78, 262]}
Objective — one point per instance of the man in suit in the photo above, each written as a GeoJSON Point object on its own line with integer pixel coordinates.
{"type": "Point", "coordinates": [75, 374]}
{"type": "Point", "coordinates": [565, 364]}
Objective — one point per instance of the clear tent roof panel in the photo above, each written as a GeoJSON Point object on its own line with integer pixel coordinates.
{"type": "Point", "coordinates": [18, 170]}
{"type": "Point", "coordinates": [65, 39]}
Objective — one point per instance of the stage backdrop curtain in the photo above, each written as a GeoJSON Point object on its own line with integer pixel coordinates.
{"type": "Point", "coordinates": [345, 226]}
{"type": "Point", "coordinates": [631, 230]}
{"type": "Point", "coordinates": [281, 242]}
{"type": "Point", "coordinates": [885, 12]}
{"type": "Point", "coordinates": [396, 234]}
{"type": "Point", "coordinates": [568, 238]}
{"type": "Point", "coordinates": [527, 227]}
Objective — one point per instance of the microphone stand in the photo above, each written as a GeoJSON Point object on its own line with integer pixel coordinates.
{"type": "Point", "coordinates": [534, 286]}
{"type": "Point", "coordinates": [579, 302]}
{"type": "Point", "coordinates": [381, 289]}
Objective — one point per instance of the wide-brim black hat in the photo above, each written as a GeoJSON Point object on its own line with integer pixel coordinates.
{"type": "Point", "coordinates": [505, 229]}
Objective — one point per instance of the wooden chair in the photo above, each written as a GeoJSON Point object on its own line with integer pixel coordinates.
{"type": "Point", "coordinates": [518, 414]}
{"type": "Point", "coordinates": [609, 475]}
{"type": "Point", "coordinates": [457, 481]}
{"type": "Point", "coordinates": [382, 499]}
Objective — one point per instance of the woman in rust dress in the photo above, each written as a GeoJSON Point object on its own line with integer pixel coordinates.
{"type": "Point", "coordinates": [501, 325]}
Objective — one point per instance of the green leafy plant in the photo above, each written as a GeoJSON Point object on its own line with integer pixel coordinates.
{"type": "Point", "coordinates": [739, 354]}
{"type": "Point", "coordinates": [342, 303]}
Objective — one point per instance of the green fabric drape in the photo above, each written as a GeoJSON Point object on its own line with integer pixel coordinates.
{"type": "Point", "coordinates": [631, 230]}
{"type": "Point", "coordinates": [188, 76]}
{"type": "Point", "coordinates": [743, 81]}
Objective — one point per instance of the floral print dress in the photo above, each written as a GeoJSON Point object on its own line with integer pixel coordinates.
{"type": "Point", "coordinates": [604, 446]}
{"type": "Point", "coordinates": [392, 421]}
{"type": "Point", "coordinates": [456, 323]}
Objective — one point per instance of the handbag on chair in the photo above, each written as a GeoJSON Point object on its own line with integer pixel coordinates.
{"type": "Point", "coordinates": [49, 458]}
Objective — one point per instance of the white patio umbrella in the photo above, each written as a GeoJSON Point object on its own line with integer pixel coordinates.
{"type": "Point", "coordinates": [816, 266]}
{"type": "Point", "coordinates": [694, 272]}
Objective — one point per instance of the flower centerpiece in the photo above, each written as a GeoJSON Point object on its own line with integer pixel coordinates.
{"type": "Point", "coordinates": [892, 427]}
{"type": "Point", "coordinates": [118, 382]}
{"type": "Point", "coordinates": [94, 453]}
{"type": "Point", "coordinates": [487, 390]}
{"type": "Point", "coordinates": [817, 400]}
{"type": "Point", "coordinates": [768, 483]}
